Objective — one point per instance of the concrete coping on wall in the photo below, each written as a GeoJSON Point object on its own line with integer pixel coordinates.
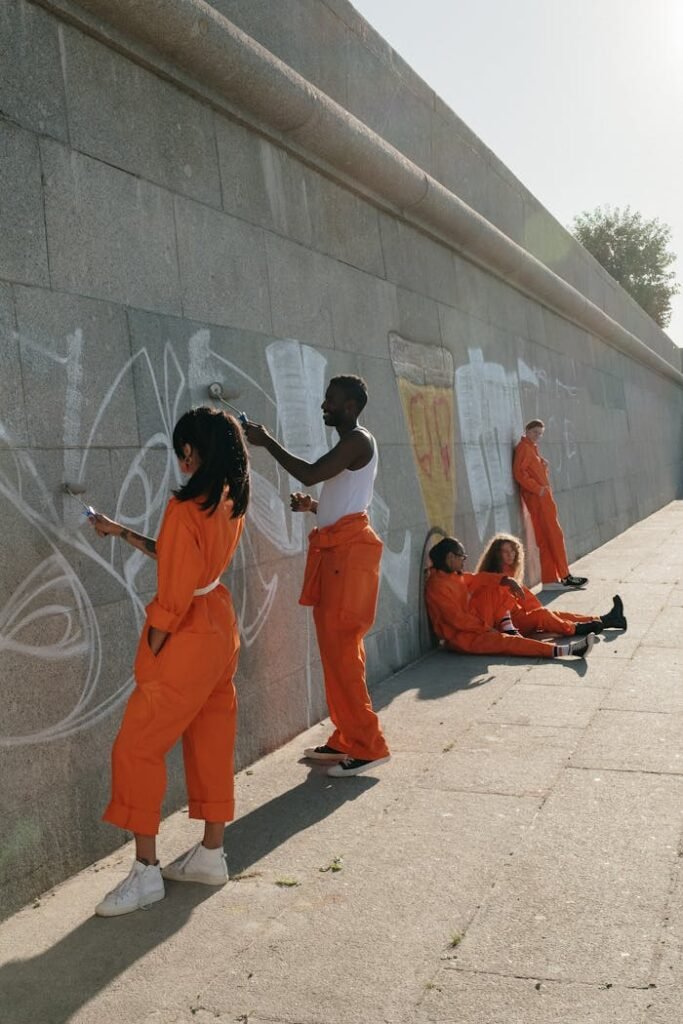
{"type": "Point", "coordinates": [192, 44]}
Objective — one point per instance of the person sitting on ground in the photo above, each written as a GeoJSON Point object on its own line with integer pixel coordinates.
{"type": "Point", "coordinates": [505, 554]}
{"type": "Point", "coordinates": [470, 612]}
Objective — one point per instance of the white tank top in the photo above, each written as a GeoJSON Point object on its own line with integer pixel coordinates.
{"type": "Point", "coordinates": [348, 492]}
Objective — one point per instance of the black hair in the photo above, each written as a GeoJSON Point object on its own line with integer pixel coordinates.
{"type": "Point", "coordinates": [216, 437]}
{"type": "Point", "coordinates": [354, 388]}
{"type": "Point", "coordinates": [446, 546]}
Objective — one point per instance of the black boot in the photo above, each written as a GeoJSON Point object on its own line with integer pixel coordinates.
{"type": "Point", "coordinates": [615, 618]}
{"type": "Point", "coordinates": [584, 628]}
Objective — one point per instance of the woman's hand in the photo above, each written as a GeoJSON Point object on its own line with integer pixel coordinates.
{"type": "Point", "coordinates": [105, 527]}
{"type": "Point", "coordinates": [156, 638]}
{"type": "Point", "coordinates": [300, 502]}
{"type": "Point", "coordinates": [257, 434]}
{"type": "Point", "coordinates": [513, 586]}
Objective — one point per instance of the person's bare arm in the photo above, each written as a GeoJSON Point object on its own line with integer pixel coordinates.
{"type": "Point", "coordinates": [105, 527]}
{"type": "Point", "coordinates": [354, 448]}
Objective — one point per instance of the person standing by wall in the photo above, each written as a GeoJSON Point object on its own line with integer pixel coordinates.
{"type": "Point", "coordinates": [185, 664]}
{"type": "Point", "coordinates": [341, 580]}
{"type": "Point", "coordinates": [530, 470]}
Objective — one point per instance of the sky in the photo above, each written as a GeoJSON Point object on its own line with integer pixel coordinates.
{"type": "Point", "coordinates": [581, 99]}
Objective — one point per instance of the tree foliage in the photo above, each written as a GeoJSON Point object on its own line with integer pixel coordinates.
{"type": "Point", "coordinates": [635, 252]}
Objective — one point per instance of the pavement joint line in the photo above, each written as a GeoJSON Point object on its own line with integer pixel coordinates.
{"type": "Point", "coordinates": [452, 966]}
{"type": "Point", "coordinates": [623, 771]}
{"type": "Point", "coordinates": [638, 711]}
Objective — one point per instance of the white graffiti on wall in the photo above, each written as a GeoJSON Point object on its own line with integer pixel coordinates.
{"type": "Point", "coordinates": [490, 415]}
{"type": "Point", "coordinates": [50, 617]}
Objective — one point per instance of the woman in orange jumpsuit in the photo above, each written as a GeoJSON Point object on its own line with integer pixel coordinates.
{"type": "Point", "coordinates": [505, 554]}
{"type": "Point", "coordinates": [471, 611]}
{"type": "Point", "coordinates": [185, 664]}
{"type": "Point", "coordinates": [530, 470]}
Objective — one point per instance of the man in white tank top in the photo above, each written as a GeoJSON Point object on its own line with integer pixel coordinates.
{"type": "Point", "coordinates": [342, 574]}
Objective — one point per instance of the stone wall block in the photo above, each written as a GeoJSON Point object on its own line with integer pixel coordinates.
{"type": "Point", "coordinates": [128, 117]}
{"type": "Point", "coordinates": [31, 83]}
{"type": "Point", "coordinates": [101, 223]}
{"type": "Point", "coordinates": [222, 268]}
{"type": "Point", "coordinates": [23, 249]}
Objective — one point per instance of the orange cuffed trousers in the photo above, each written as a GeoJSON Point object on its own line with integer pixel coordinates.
{"type": "Point", "coordinates": [549, 536]}
{"type": "Point", "coordinates": [184, 691]}
{"type": "Point", "coordinates": [490, 603]}
{"type": "Point", "coordinates": [341, 582]}
{"type": "Point", "coordinates": [530, 616]}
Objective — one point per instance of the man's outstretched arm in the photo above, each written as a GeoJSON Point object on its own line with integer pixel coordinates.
{"type": "Point", "coordinates": [350, 449]}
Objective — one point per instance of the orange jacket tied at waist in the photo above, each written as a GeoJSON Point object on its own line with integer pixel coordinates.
{"type": "Point", "coordinates": [343, 568]}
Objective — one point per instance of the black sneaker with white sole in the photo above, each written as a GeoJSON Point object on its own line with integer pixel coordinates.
{"type": "Point", "coordinates": [582, 648]}
{"type": "Point", "coordinates": [355, 766]}
{"type": "Point", "coordinates": [324, 753]}
{"type": "Point", "coordinates": [570, 582]}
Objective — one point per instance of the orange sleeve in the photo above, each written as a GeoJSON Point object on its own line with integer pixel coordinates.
{"type": "Point", "coordinates": [520, 470]}
{"type": "Point", "coordinates": [179, 568]}
{"type": "Point", "coordinates": [475, 579]}
{"type": "Point", "coordinates": [447, 618]}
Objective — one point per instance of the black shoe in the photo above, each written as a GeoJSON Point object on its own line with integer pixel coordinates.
{"type": "Point", "coordinates": [355, 766]}
{"type": "Point", "coordinates": [584, 628]}
{"type": "Point", "coordinates": [615, 618]}
{"type": "Point", "coordinates": [324, 753]}
{"type": "Point", "coordinates": [582, 648]}
{"type": "Point", "coordinates": [574, 581]}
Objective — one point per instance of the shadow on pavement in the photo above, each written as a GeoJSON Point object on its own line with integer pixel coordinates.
{"type": "Point", "coordinates": [50, 987]}
{"type": "Point", "coordinates": [258, 833]}
{"type": "Point", "coordinates": [443, 673]}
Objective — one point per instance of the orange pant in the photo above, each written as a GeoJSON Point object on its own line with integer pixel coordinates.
{"type": "Point", "coordinates": [545, 621]}
{"type": "Point", "coordinates": [345, 611]}
{"type": "Point", "coordinates": [549, 536]}
{"type": "Point", "coordinates": [490, 603]}
{"type": "Point", "coordinates": [186, 690]}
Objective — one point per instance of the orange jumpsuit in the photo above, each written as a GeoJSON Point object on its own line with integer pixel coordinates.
{"type": "Point", "coordinates": [187, 688]}
{"type": "Point", "coordinates": [530, 470]}
{"type": "Point", "coordinates": [341, 582]}
{"type": "Point", "coordinates": [464, 609]}
{"type": "Point", "coordinates": [529, 616]}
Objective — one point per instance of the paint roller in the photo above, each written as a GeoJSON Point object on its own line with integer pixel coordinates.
{"type": "Point", "coordinates": [75, 490]}
{"type": "Point", "coordinates": [216, 392]}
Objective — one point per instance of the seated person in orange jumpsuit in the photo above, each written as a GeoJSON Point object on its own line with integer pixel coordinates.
{"type": "Point", "coordinates": [530, 470]}
{"type": "Point", "coordinates": [341, 579]}
{"type": "Point", "coordinates": [505, 554]}
{"type": "Point", "coordinates": [185, 664]}
{"type": "Point", "coordinates": [471, 611]}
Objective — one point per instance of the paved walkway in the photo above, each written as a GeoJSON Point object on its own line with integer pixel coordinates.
{"type": "Point", "coordinates": [518, 862]}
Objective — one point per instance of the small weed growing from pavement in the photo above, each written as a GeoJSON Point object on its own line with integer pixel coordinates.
{"type": "Point", "coordinates": [287, 883]}
{"type": "Point", "coordinates": [455, 939]}
{"type": "Point", "coordinates": [334, 865]}
{"type": "Point", "coordinates": [449, 746]}
{"type": "Point", "coordinates": [244, 875]}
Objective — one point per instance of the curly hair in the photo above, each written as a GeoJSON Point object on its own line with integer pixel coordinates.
{"type": "Point", "coordinates": [216, 436]}
{"type": "Point", "coordinates": [491, 561]}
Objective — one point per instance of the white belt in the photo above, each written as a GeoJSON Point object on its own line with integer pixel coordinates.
{"type": "Point", "coordinates": [207, 590]}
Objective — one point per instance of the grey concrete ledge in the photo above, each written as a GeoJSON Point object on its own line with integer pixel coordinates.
{"type": "Point", "coordinates": [191, 43]}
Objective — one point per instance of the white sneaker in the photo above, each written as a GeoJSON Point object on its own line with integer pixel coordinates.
{"type": "Point", "coordinates": [199, 865]}
{"type": "Point", "coordinates": [142, 886]}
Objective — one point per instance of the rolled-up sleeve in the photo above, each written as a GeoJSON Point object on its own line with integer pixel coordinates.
{"type": "Point", "coordinates": [179, 568]}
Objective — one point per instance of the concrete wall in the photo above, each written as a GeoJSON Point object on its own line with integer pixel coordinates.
{"type": "Point", "coordinates": [163, 228]}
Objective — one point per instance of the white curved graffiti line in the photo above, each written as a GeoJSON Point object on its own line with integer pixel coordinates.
{"type": "Point", "coordinates": [50, 616]}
